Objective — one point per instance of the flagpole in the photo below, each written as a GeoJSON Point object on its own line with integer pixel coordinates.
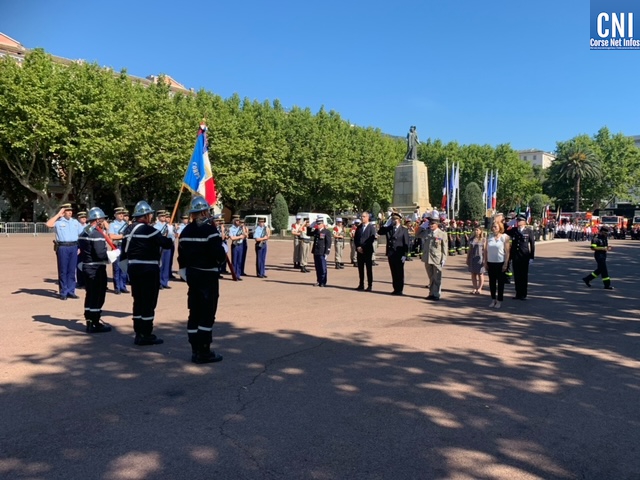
{"type": "Point", "coordinates": [175, 207]}
{"type": "Point", "coordinates": [458, 186]}
{"type": "Point", "coordinates": [446, 173]}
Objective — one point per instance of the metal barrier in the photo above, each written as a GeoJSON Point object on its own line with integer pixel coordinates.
{"type": "Point", "coordinates": [24, 228]}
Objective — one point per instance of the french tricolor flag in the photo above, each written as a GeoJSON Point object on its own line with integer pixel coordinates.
{"type": "Point", "coordinates": [199, 177]}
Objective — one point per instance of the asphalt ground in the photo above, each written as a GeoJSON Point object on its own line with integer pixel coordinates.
{"type": "Point", "coordinates": [327, 383]}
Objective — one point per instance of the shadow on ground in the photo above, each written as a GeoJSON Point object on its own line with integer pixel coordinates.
{"type": "Point", "coordinates": [284, 404]}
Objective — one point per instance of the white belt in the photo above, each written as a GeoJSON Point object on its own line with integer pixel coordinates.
{"type": "Point", "coordinates": [215, 269]}
{"type": "Point", "coordinates": [144, 262]}
{"type": "Point", "coordinates": [96, 263]}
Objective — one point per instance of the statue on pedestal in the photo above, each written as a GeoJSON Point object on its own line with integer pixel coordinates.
{"type": "Point", "coordinates": [412, 144]}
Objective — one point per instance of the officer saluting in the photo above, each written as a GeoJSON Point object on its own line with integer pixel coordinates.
{"type": "Point", "coordinates": [523, 249]}
{"type": "Point", "coordinates": [200, 256]}
{"type": "Point", "coordinates": [397, 250]}
{"type": "Point", "coordinates": [93, 248]}
{"type": "Point", "coordinates": [141, 248]}
{"type": "Point", "coordinates": [321, 248]}
{"type": "Point", "coordinates": [67, 230]}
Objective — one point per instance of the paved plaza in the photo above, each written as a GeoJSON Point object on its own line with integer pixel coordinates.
{"type": "Point", "coordinates": [327, 383]}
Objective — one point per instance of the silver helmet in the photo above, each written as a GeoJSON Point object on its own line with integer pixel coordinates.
{"type": "Point", "coordinates": [95, 213]}
{"type": "Point", "coordinates": [142, 208]}
{"type": "Point", "coordinates": [198, 204]}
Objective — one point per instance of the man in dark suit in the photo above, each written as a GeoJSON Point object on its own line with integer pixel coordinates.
{"type": "Point", "coordinates": [523, 249]}
{"type": "Point", "coordinates": [364, 238]}
{"type": "Point", "coordinates": [397, 250]}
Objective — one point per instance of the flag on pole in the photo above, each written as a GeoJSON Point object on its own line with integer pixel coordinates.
{"type": "Point", "coordinates": [494, 192]}
{"type": "Point", "coordinates": [528, 215]}
{"type": "Point", "coordinates": [452, 193]}
{"type": "Point", "coordinates": [199, 177]}
{"type": "Point", "coordinates": [443, 204]}
{"type": "Point", "coordinates": [547, 212]}
{"type": "Point", "coordinates": [456, 186]}
{"type": "Point", "coordinates": [489, 194]}
{"type": "Point", "coordinates": [484, 189]}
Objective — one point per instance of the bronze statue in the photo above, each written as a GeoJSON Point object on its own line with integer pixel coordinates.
{"type": "Point", "coordinates": [412, 144]}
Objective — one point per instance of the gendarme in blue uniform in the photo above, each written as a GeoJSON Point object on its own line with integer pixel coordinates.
{"type": "Point", "coordinates": [117, 227]}
{"type": "Point", "coordinates": [67, 231]}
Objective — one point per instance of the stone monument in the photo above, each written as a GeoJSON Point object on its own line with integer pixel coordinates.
{"type": "Point", "coordinates": [411, 180]}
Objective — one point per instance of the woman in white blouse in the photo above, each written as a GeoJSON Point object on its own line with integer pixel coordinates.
{"type": "Point", "coordinates": [496, 257]}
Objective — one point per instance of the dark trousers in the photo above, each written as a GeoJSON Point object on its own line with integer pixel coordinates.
{"type": "Point", "coordinates": [96, 288]}
{"type": "Point", "coordinates": [202, 300]}
{"type": "Point", "coordinates": [601, 270]}
{"type": "Point", "coordinates": [145, 285]}
{"type": "Point", "coordinates": [365, 259]}
{"type": "Point", "coordinates": [165, 267]}
{"type": "Point", "coordinates": [245, 248]}
{"type": "Point", "coordinates": [496, 279]}
{"type": "Point", "coordinates": [67, 264]}
{"type": "Point", "coordinates": [521, 276]}
{"type": "Point", "coordinates": [397, 272]}
{"type": "Point", "coordinates": [261, 258]}
{"type": "Point", "coordinates": [119, 277]}
{"type": "Point", "coordinates": [320, 263]}
{"type": "Point", "coordinates": [79, 274]}
{"type": "Point", "coordinates": [236, 258]}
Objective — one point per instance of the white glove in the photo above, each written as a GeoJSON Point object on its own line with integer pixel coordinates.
{"type": "Point", "coordinates": [403, 259]}
{"type": "Point", "coordinates": [443, 262]}
{"type": "Point", "coordinates": [531, 262]}
{"type": "Point", "coordinates": [326, 257]}
{"type": "Point", "coordinates": [113, 255]}
{"type": "Point", "coordinates": [389, 222]}
{"type": "Point", "coordinates": [183, 274]}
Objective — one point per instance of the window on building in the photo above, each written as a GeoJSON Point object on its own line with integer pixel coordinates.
{"type": "Point", "coordinates": [525, 157]}
{"type": "Point", "coordinates": [535, 157]}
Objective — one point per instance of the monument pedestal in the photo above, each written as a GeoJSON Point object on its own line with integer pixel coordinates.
{"type": "Point", "coordinates": [411, 187]}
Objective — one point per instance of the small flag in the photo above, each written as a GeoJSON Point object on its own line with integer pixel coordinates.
{"type": "Point", "coordinates": [528, 215]}
{"type": "Point", "coordinates": [494, 192]}
{"type": "Point", "coordinates": [443, 204]}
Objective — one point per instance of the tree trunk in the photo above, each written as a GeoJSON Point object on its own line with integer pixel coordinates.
{"type": "Point", "coordinates": [576, 204]}
{"type": "Point", "coordinates": [117, 193]}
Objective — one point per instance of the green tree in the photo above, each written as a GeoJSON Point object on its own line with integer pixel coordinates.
{"type": "Point", "coordinates": [375, 210]}
{"type": "Point", "coordinates": [576, 160]}
{"type": "Point", "coordinates": [537, 204]}
{"type": "Point", "coordinates": [280, 213]}
{"type": "Point", "coordinates": [471, 203]}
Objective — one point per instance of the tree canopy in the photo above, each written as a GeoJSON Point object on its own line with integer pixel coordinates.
{"type": "Point", "coordinates": [84, 133]}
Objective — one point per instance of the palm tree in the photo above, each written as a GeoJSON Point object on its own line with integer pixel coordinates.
{"type": "Point", "coordinates": [578, 162]}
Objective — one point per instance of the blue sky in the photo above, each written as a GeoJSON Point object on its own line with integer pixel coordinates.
{"type": "Point", "coordinates": [474, 72]}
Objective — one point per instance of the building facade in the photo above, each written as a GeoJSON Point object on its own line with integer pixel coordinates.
{"type": "Point", "coordinates": [537, 158]}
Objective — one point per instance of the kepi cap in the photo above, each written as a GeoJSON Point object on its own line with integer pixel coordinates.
{"type": "Point", "coordinates": [522, 218]}
{"type": "Point", "coordinates": [320, 218]}
{"type": "Point", "coordinates": [338, 220]}
{"type": "Point", "coordinates": [118, 210]}
{"type": "Point", "coordinates": [82, 214]}
{"type": "Point", "coordinates": [298, 217]}
{"type": "Point", "coordinates": [66, 206]}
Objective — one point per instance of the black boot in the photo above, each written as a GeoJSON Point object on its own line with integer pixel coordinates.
{"type": "Point", "coordinates": [205, 355]}
{"type": "Point", "coordinates": [149, 339]}
{"type": "Point", "coordinates": [97, 327]}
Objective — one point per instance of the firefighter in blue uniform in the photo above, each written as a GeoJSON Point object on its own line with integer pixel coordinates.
{"type": "Point", "coordinates": [261, 235]}
{"type": "Point", "coordinates": [200, 256]}
{"type": "Point", "coordinates": [116, 230]}
{"type": "Point", "coordinates": [523, 249]}
{"type": "Point", "coordinates": [141, 248]}
{"type": "Point", "coordinates": [237, 236]}
{"type": "Point", "coordinates": [397, 250]}
{"type": "Point", "coordinates": [320, 249]}
{"type": "Point", "coordinates": [600, 247]}
{"type": "Point", "coordinates": [67, 230]}
{"type": "Point", "coordinates": [93, 249]}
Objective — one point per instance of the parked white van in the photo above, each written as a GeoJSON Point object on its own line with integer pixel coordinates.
{"type": "Point", "coordinates": [312, 216]}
